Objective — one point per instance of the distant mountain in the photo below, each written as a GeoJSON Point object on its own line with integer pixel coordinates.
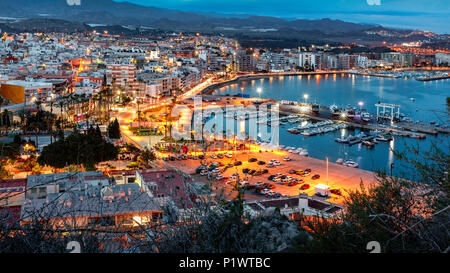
{"type": "Point", "coordinates": [124, 13]}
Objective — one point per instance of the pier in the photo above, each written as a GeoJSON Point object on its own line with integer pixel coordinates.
{"type": "Point", "coordinates": [403, 128]}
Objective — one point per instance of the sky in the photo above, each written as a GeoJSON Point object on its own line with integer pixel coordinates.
{"type": "Point", "coordinates": [432, 15]}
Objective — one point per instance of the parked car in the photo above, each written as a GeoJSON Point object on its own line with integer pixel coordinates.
{"type": "Point", "coordinates": [237, 163]}
{"type": "Point", "coordinates": [246, 170]}
{"type": "Point", "coordinates": [315, 177]}
{"type": "Point", "coordinates": [229, 155]}
{"type": "Point", "coordinates": [251, 160]}
{"type": "Point", "coordinates": [336, 191]}
{"type": "Point", "coordinates": [287, 158]}
{"type": "Point", "coordinates": [261, 163]}
{"type": "Point", "coordinates": [305, 187]}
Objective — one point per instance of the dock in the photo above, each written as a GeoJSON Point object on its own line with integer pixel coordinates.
{"type": "Point", "coordinates": [403, 128]}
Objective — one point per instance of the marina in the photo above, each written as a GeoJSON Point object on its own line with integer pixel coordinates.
{"type": "Point", "coordinates": [337, 97]}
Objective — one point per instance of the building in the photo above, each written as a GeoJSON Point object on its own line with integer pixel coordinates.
{"type": "Point", "coordinates": [303, 204]}
{"type": "Point", "coordinates": [442, 59]}
{"type": "Point", "coordinates": [398, 59]}
{"type": "Point", "coordinates": [19, 91]}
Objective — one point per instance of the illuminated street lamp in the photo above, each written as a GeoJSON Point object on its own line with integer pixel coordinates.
{"type": "Point", "coordinates": [360, 105]}
{"type": "Point", "coordinates": [306, 96]}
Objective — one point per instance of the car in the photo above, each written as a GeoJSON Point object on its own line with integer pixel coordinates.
{"type": "Point", "coordinates": [201, 157]}
{"type": "Point", "coordinates": [194, 157]}
{"type": "Point", "coordinates": [293, 183]}
{"type": "Point", "coordinates": [265, 191]}
{"type": "Point", "coordinates": [308, 170]}
{"type": "Point", "coordinates": [276, 195]}
{"type": "Point", "coordinates": [305, 187]}
{"type": "Point", "coordinates": [252, 172]}
{"type": "Point", "coordinates": [199, 169]}
{"type": "Point", "coordinates": [299, 172]}
{"type": "Point", "coordinates": [220, 164]}
{"type": "Point", "coordinates": [243, 183]}
{"type": "Point", "coordinates": [315, 177]}
{"type": "Point", "coordinates": [189, 156]}
{"type": "Point", "coordinates": [229, 165]}
{"type": "Point", "coordinates": [228, 155]}
{"type": "Point", "coordinates": [336, 191]}
{"type": "Point", "coordinates": [287, 158]}
{"type": "Point", "coordinates": [246, 170]}
{"type": "Point", "coordinates": [265, 171]}
{"type": "Point", "coordinates": [271, 177]}
{"type": "Point", "coordinates": [220, 156]}
{"type": "Point", "coordinates": [270, 165]}
{"type": "Point", "coordinates": [261, 163]}
{"type": "Point", "coordinates": [237, 163]}
{"type": "Point", "coordinates": [251, 160]}
{"type": "Point", "coordinates": [292, 172]}
{"type": "Point", "coordinates": [213, 156]}
{"type": "Point", "coordinates": [203, 173]}
{"type": "Point", "coordinates": [219, 177]}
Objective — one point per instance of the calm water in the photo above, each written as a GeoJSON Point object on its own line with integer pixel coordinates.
{"type": "Point", "coordinates": [344, 90]}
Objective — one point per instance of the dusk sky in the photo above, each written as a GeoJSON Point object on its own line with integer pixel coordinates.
{"type": "Point", "coordinates": [431, 15]}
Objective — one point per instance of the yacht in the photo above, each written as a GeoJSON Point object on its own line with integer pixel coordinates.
{"type": "Point", "coordinates": [365, 117]}
{"type": "Point", "coordinates": [352, 164]}
{"type": "Point", "coordinates": [315, 108]}
{"type": "Point", "coordinates": [334, 110]}
{"type": "Point", "coordinates": [350, 113]}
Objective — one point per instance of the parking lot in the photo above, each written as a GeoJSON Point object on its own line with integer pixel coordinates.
{"type": "Point", "coordinates": [339, 177]}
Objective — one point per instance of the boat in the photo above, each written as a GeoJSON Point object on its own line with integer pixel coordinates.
{"type": "Point", "coordinates": [315, 108]}
{"type": "Point", "coordinates": [365, 117]}
{"type": "Point", "coordinates": [303, 153]}
{"type": "Point", "coordinates": [368, 143]}
{"type": "Point", "coordinates": [340, 161]}
{"type": "Point", "coordinates": [293, 131]}
{"type": "Point", "coordinates": [352, 164]}
{"type": "Point", "coordinates": [341, 140]}
{"type": "Point", "coordinates": [350, 113]}
{"type": "Point", "coordinates": [334, 110]}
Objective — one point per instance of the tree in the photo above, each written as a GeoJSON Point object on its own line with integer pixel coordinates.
{"type": "Point", "coordinates": [86, 149]}
{"type": "Point", "coordinates": [402, 215]}
{"type": "Point", "coordinates": [114, 130]}
{"type": "Point", "coordinates": [146, 157]}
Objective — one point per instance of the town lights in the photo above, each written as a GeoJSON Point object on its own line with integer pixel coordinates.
{"type": "Point", "coordinates": [343, 115]}
{"type": "Point", "coordinates": [306, 96]}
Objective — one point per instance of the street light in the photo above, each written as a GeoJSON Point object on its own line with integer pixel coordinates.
{"type": "Point", "coordinates": [306, 96]}
{"type": "Point", "coordinates": [360, 105]}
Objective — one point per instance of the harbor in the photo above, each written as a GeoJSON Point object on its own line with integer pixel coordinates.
{"type": "Point", "coordinates": [336, 98]}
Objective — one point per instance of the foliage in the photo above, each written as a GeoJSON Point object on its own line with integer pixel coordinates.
{"type": "Point", "coordinates": [402, 215]}
{"type": "Point", "coordinates": [87, 149]}
{"type": "Point", "coordinates": [114, 130]}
